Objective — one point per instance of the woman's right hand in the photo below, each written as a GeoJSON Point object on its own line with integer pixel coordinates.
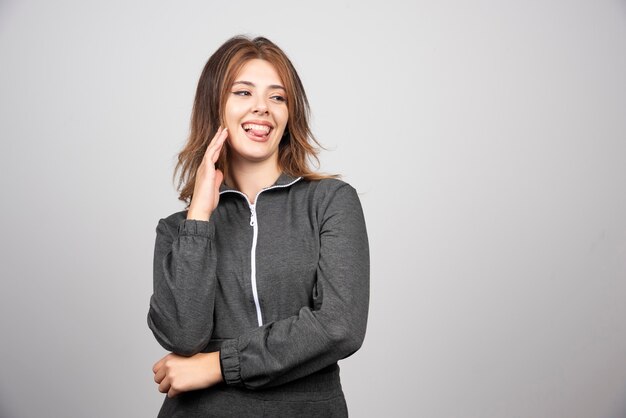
{"type": "Point", "coordinates": [206, 192]}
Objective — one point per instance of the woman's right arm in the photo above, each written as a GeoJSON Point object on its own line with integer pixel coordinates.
{"type": "Point", "coordinates": [181, 306]}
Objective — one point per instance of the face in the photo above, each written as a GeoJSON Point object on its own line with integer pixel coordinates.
{"type": "Point", "coordinates": [256, 112]}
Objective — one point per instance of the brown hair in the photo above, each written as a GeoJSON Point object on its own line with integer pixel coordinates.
{"type": "Point", "coordinates": [297, 147]}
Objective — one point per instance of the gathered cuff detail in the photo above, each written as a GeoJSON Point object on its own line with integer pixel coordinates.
{"type": "Point", "coordinates": [229, 357]}
{"type": "Point", "coordinates": [195, 227]}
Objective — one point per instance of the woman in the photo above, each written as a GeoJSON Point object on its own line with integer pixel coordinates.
{"type": "Point", "coordinates": [262, 285]}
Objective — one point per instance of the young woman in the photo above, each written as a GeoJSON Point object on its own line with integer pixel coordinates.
{"type": "Point", "coordinates": [262, 284]}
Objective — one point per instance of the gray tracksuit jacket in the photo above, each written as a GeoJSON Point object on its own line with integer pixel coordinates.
{"type": "Point", "coordinates": [280, 287]}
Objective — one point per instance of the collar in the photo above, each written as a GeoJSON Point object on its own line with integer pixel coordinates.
{"type": "Point", "coordinates": [283, 180]}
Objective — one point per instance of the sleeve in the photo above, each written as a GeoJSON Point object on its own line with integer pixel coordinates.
{"type": "Point", "coordinates": [285, 350]}
{"type": "Point", "coordinates": [181, 306]}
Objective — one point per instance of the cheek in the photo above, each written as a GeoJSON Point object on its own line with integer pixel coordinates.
{"type": "Point", "coordinates": [283, 117]}
{"type": "Point", "coordinates": [232, 115]}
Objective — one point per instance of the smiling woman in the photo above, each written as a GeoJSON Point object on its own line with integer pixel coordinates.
{"type": "Point", "coordinates": [262, 284]}
{"type": "Point", "coordinates": [256, 115]}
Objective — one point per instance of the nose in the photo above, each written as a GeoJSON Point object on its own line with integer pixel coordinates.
{"type": "Point", "coordinates": [260, 107]}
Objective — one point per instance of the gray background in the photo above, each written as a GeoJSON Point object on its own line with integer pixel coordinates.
{"type": "Point", "coordinates": [487, 139]}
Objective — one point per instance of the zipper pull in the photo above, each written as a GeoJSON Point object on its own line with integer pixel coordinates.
{"type": "Point", "coordinates": [252, 215]}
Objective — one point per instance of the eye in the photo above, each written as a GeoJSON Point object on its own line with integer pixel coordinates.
{"type": "Point", "coordinates": [242, 93]}
{"type": "Point", "coordinates": [279, 98]}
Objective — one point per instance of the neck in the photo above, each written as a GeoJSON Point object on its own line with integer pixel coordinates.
{"type": "Point", "coordinates": [251, 177]}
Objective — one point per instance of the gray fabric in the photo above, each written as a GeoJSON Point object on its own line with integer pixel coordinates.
{"type": "Point", "coordinates": [312, 273]}
{"type": "Point", "coordinates": [228, 402]}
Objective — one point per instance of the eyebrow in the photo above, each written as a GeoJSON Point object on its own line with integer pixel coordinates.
{"type": "Point", "coordinates": [251, 84]}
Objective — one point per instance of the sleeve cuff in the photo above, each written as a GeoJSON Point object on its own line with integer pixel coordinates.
{"type": "Point", "coordinates": [195, 227]}
{"type": "Point", "coordinates": [222, 368]}
{"type": "Point", "coordinates": [229, 360]}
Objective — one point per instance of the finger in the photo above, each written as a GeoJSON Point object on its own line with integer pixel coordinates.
{"type": "Point", "coordinates": [172, 392]}
{"type": "Point", "coordinates": [215, 141]}
{"type": "Point", "coordinates": [165, 386]}
{"type": "Point", "coordinates": [219, 138]}
{"type": "Point", "coordinates": [218, 149]}
{"type": "Point", "coordinates": [159, 375]}
{"type": "Point", "coordinates": [158, 365]}
{"type": "Point", "coordinates": [213, 151]}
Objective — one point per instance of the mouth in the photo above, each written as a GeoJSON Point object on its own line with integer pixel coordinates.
{"type": "Point", "coordinates": [257, 131]}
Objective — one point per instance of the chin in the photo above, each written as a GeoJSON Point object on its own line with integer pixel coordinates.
{"type": "Point", "coordinates": [253, 151]}
{"type": "Point", "coordinates": [254, 155]}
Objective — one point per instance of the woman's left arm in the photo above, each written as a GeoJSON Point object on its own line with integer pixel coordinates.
{"type": "Point", "coordinates": [285, 350]}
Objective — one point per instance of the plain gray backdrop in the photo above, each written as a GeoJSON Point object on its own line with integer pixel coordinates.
{"type": "Point", "coordinates": [487, 140]}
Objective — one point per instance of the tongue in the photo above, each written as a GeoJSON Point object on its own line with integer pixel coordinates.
{"type": "Point", "coordinates": [257, 132]}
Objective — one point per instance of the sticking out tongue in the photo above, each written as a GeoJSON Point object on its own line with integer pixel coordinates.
{"type": "Point", "coordinates": [256, 132]}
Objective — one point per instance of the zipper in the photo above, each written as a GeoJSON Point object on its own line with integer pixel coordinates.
{"type": "Point", "coordinates": [254, 223]}
{"type": "Point", "coordinates": [255, 234]}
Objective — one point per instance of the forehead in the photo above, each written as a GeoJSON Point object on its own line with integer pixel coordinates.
{"type": "Point", "coordinates": [259, 72]}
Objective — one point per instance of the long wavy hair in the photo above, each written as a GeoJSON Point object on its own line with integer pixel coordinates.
{"type": "Point", "coordinates": [298, 147]}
